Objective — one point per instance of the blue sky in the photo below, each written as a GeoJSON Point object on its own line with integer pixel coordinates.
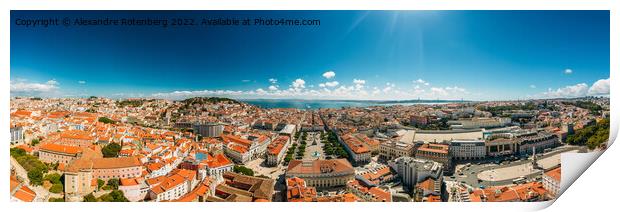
{"type": "Point", "coordinates": [475, 55]}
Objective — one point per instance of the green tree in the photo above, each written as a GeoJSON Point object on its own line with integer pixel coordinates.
{"type": "Point", "coordinates": [111, 150]}
{"type": "Point", "coordinates": [592, 136]}
{"type": "Point", "coordinates": [36, 177]}
{"type": "Point", "coordinates": [100, 183]}
{"type": "Point", "coordinates": [114, 183]}
{"type": "Point", "coordinates": [106, 120]}
{"type": "Point", "coordinates": [35, 168]}
{"type": "Point", "coordinates": [34, 142]}
{"type": "Point", "coordinates": [90, 198]}
{"type": "Point", "coordinates": [114, 196]}
{"type": "Point", "coordinates": [60, 199]}
{"type": "Point", "coordinates": [288, 158]}
{"type": "Point", "coordinates": [17, 152]}
{"type": "Point", "coordinates": [54, 178]}
{"type": "Point", "coordinates": [243, 170]}
{"type": "Point", "coordinates": [56, 188]}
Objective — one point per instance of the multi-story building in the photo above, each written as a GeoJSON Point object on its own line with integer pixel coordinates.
{"type": "Point", "coordinates": [322, 173]}
{"type": "Point", "coordinates": [78, 182]}
{"type": "Point", "coordinates": [298, 191]}
{"type": "Point", "coordinates": [242, 150]}
{"type": "Point", "coordinates": [441, 136]}
{"type": "Point", "coordinates": [17, 135]}
{"type": "Point", "coordinates": [276, 150]}
{"type": "Point", "coordinates": [537, 142]}
{"type": "Point", "coordinates": [81, 175]}
{"type": "Point", "coordinates": [242, 188]}
{"type": "Point", "coordinates": [416, 120]}
{"type": "Point", "coordinates": [76, 138]}
{"type": "Point", "coordinates": [377, 175]}
{"type": "Point", "coordinates": [116, 168]}
{"type": "Point", "coordinates": [467, 149]}
{"type": "Point", "coordinates": [475, 123]}
{"type": "Point", "coordinates": [178, 183]}
{"type": "Point", "coordinates": [157, 169]}
{"type": "Point", "coordinates": [288, 130]}
{"type": "Point", "coordinates": [217, 165]}
{"type": "Point", "coordinates": [414, 170]}
{"type": "Point", "coordinates": [358, 152]}
{"type": "Point", "coordinates": [529, 192]}
{"type": "Point", "coordinates": [134, 189]}
{"type": "Point", "coordinates": [551, 181]}
{"type": "Point", "coordinates": [208, 129]}
{"type": "Point", "coordinates": [57, 153]}
{"type": "Point", "coordinates": [429, 188]}
{"type": "Point", "coordinates": [394, 149]}
{"type": "Point", "coordinates": [435, 152]}
{"type": "Point", "coordinates": [501, 146]}
{"type": "Point", "coordinates": [371, 144]}
{"type": "Point", "coordinates": [368, 193]}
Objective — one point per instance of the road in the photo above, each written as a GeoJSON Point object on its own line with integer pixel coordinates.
{"type": "Point", "coordinates": [311, 149]}
{"type": "Point", "coordinates": [495, 175]}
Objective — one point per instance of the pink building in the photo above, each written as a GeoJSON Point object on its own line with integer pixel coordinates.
{"type": "Point", "coordinates": [56, 153]}
{"type": "Point", "coordinates": [109, 168]}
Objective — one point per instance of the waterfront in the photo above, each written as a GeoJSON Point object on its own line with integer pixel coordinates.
{"type": "Point", "coordinates": [316, 104]}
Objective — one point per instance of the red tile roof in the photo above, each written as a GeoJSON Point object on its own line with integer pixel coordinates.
{"type": "Point", "coordinates": [556, 173]}
{"type": "Point", "coordinates": [51, 147]}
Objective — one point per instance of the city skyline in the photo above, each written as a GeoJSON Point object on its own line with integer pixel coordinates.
{"type": "Point", "coordinates": [352, 55]}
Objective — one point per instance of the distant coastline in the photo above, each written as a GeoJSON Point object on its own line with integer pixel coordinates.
{"type": "Point", "coordinates": [316, 104]}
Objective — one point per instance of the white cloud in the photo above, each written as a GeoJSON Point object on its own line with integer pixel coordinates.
{"type": "Point", "coordinates": [439, 91]}
{"type": "Point", "coordinates": [532, 86]}
{"type": "Point", "coordinates": [81, 82]}
{"type": "Point", "coordinates": [245, 80]}
{"type": "Point", "coordinates": [568, 71]}
{"type": "Point", "coordinates": [331, 84]}
{"type": "Point", "coordinates": [273, 81]}
{"type": "Point", "coordinates": [329, 74]}
{"type": "Point", "coordinates": [24, 87]}
{"type": "Point", "coordinates": [600, 87]}
{"type": "Point", "coordinates": [456, 89]}
{"type": "Point", "coordinates": [298, 84]}
{"type": "Point", "coordinates": [359, 81]}
{"type": "Point", "coordinates": [260, 91]}
{"type": "Point", "coordinates": [422, 82]}
{"type": "Point", "coordinates": [52, 82]}
{"type": "Point", "coordinates": [298, 89]}
{"type": "Point", "coordinates": [187, 94]}
{"type": "Point", "coordinates": [359, 84]}
{"type": "Point", "coordinates": [387, 89]}
{"type": "Point", "coordinates": [577, 90]}
{"type": "Point", "coordinates": [447, 92]}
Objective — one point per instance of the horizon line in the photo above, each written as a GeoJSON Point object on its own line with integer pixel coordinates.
{"type": "Point", "coordinates": [305, 99]}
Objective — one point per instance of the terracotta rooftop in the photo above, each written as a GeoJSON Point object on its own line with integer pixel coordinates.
{"type": "Point", "coordinates": [320, 167]}
{"type": "Point", "coordinates": [218, 161]}
{"type": "Point", "coordinates": [556, 173]}
{"type": "Point", "coordinates": [112, 163]}
{"type": "Point", "coordinates": [242, 185]}
{"type": "Point", "coordinates": [523, 192]}
{"type": "Point", "coordinates": [236, 139]}
{"type": "Point", "coordinates": [51, 147]}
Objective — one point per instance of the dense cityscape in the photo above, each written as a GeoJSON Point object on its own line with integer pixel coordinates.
{"type": "Point", "coordinates": [214, 149]}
